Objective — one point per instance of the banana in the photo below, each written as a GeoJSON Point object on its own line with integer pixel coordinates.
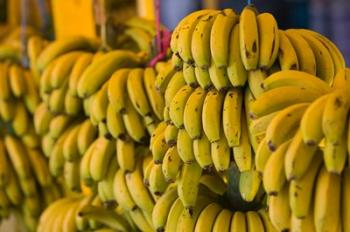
{"type": "Point", "coordinates": [173, 215]}
{"type": "Point", "coordinates": [324, 63]}
{"type": "Point", "coordinates": [223, 221]}
{"type": "Point", "coordinates": [287, 55]}
{"type": "Point", "coordinates": [264, 215]}
{"type": "Point", "coordinates": [282, 127]}
{"type": "Point", "coordinates": [115, 123]}
{"type": "Point", "coordinates": [86, 135]}
{"type": "Point", "coordinates": [249, 38]}
{"type": "Point", "coordinates": [176, 62]}
{"type": "Point", "coordinates": [101, 157]}
{"type": "Point", "coordinates": [28, 187]}
{"type": "Point", "coordinates": [126, 155]}
{"type": "Point", "coordinates": [4, 165]}
{"type": "Point", "coordinates": [81, 63]}
{"type": "Point", "coordinates": [45, 78]}
{"type": "Point", "coordinates": [272, 100]}
{"type": "Point", "coordinates": [301, 190]}
{"type": "Point", "coordinates": [105, 216]}
{"type": "Point", "coordinates": [304, 52]}
{"type": "Point", "coordinates": [242, 153]}
{"type": "Point", "coordinates": [262, 155]}
{"type": "Point", "coordinates": [17, 85]}
{"type": "Point", "coordinates": [58, 125]}
{"type": "Point", "coordinates": [189, 75]}
{"type": "Point", "coordinates": [63, 46]}
{"type": "Point", "coordinates": [257, 129]}
{"type": "Point", "coordinates": [136, 92]}
{"type": "Point", "coordinates": [187, 219]}
{"type": "Point", "coordinates": [200, 44]}
{"type": "Point", "coordinates": [164, 77]}
{"type": "Point", "coordinates": [72, 105]}
{"type": "Point", "coordinates": [47, 143]}
{"type": "Point", "coordinates": [69, 219]}
{"type": "Point", "coordinates": [7, 110]}
{"type": "Point", "coordinates": [116, 90]}
{"type": "Point", "coordinates": [166, 116]}
{"type": "Point", "coordinates": [231, 116]}
{"type": "Point", "coordinates": [103, 131]}
{"type": "Point", "coordinates": [70, 145]}
{"type": "Point", "coordinates": [249, 184]}
{"type": "Point", "coordinates": [100, 104]}
{"type": "Point", "coordinates": [295, 78]}
{"type": "Point", "coordinates": [192, 114]}
{"type": "Point", "coordinates": [238, 222]}
{"type": "Point", "coordinates": [254, 222]}
{"type": "Point", "coordinates": [18, 157]}
{"type": "Point", "coordinates": [146, 173]}
{"type": "Point", "coordinates": [335, 155]}
{"type": "Point", "coordinates": [219, 78]}
{"type": "Point", "coordinates": [187, 188]}
{"type": "Point", "coordinates": [71, 175]}
{"type": "Point", "coordinates": [133, 123]}
{"type": "Point", "coordinates": [121, 191]}
{"type": "Point", "coordinates": [138, 191]}
{"type": "Point", "coordinates": [141, 38]}
{"type": "Point", "coordinates": [211, 115]}
{"type": "Point", "coordinates": [63, 67]}
{"type": "Point", "coordinates": [157, 132]}
{"type": "Point", "coordinates": [140, 221]}
{"type": "Point", "coordinates": [269, 40]}
{"type": "Point", "coordinates": [208, 217]}
{"type": "Point", "coordinates": [5, 92]}
{"type": "Point", "coordinates": [107, 184]}
{"type": "Point", "coordinates": [85, 174]}
{"type": "Point", "coordinates": [176, 82]}
{"type": "Point", "coordinates": [159, 148]}
{"type": "Point", "coordinates": [170, 135]}
{"type": "Point", "coordinates": [56, 100]}
{"type": "Point", "coordinates": [155, 98]}
{"type": "Point", "coordinates": [171, 164]}
{"type": "Point", "coordinates": [273, 175]}
{"type": "Point", "coordinates": [279, 210]}
{"type": "Point", "coordinates": [202, 152]}
{"type": "Point", "coordinates": [327, 201]}
{"type": "Point", "coordinates": [203, 78]}
{"type": "Point", "coordinates": [221, 154]}
{"type": "Point", "coordinates": [13, 189]}
{"type": "Point", "coordinates": [185, 146]}
{"type": "Point", "coordinates": [177, 105]}
{"type": "Point", "coordinates": [255, 81]}
{"type": "Point", "coordinates": [236, 71]}
{"type": "Point", "coordinates": [214, 183]}
{"type": "Point", "coordinates": [31, 98]}
{"type": "Point", "coordinates": [298, 157]}
{"type": "Point", "coordinates": [174, 42]}
{"type": "Point", "coordinates": [20, 122]}
{"type": "Point", "coordinates": [303, 224]}
{"type": "Point", "coordinates": [345, 199]}
{"type": "Point", "coordinates": [101, 70]}
{"type": "Point", "coordinates": [40, 167]}
{"type": "Point", "coordinates": [157, 181]}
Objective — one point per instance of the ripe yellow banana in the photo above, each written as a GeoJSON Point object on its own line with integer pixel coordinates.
{"type": "Point", "coordinates": [87, 134]}
{"type": "Point", "coordinates": [203, 77]}
{"type": "Point", "coordinates": [164, 76]}
{"type": "Point", "coordinates": [157, 132]}
{"type": "Point", "coordinates": [71, 175]}
{"type": "Point", "coordinates": [327, 201]}
{"type": "Point", "coordinates": [269, 40]}
{"type": "Point", "coordinates": [287, 55]}
{"type": "Point", "coordinates": [157, 181]}
{"type": "Point", "coordinates": [72, 105]}
{"type": "Point", "coordinates": [121, 191]}
{"type": "Point", "coordinates": [56, 99]}
{"type": "Point", "coordinates": [202, 152]}
{"type": "Point", "coordinates": [211, 115]}
{"type": "Point", "coordinates": [140, 220]}
{"type": "Point", "coordinates": [99, 104]}
{"type": "Point", "coordinates": [335, 155]}
{"type": "Point", "coordinates": [272, 100]}
{"type": "Point", "coordinates": [255, 81]}
{"type": "Point", "coordinates": [142, 39]}
{"type": "Point", "coordinates": [117, 89]}
{"type": "Point", "coordinates": [115, 123]}
{"type": "Point", "coordinates": [236, 71]}
{"type": "Point", "coordinates": [174, 215]}
{"type": "Point", "coordinates": [301, 190]}
{"type": "Point", "coordinates": [177, 106]}
{"type": "Point", "coordinates": [303, 224]}
{"type": "Point", "coordinates": [58, 125]}
{"type": "Point", "coordinates": [5, 92]}
{"type": "Point", "coordinates": [219, 37]}
{"type": "Point", "coordinates": [21, 119]}
{"type": "Point", "coordinates": [101, 70]}
{"type": "Point", "coordinates": [214, 183]}
{"type": "Point", "coordinates": [249, 184]}
{"type": "Point", "coordinates": [221, 154]}
{"type": "Point", "coordinates": [254, 222]}
{"type": "Point", "coordinates": [4, 165]}
{"type": "Point", "coordinates": [40, 167]}
{"type": "Point", "coordinates": [231, 116]}
{"type": "Point", "coordinates": [238, 222]}
{"type": "Point", "coordinates": [70, 145]}
{"type": "Point", "coordinates": [242, 153]}
{"type": "Point", "coordinates": [82, 62]}
{"type": "Point", "coordinates": [298, 157]}
{"type": "Point", "coordinates": [207, 217]}
{"type": "Point", "coordinates": [264, 215]}
{"type": "Point", "coordinates": [249, 38]}
{"type": "Point", "coordinates": [189, 75]}
{"type": "Point", "coordinates": [283, 126]}
{"type": "Point", "coordinates": [345, 215]}
{"type": "Point", "coordinates": [170, 135]}
{"type": "Point", "coordinates": [177, 62]}
{"type": "Point", "coordinates": [176, 82]}
{"type": "Point", "coordinates": [279, 210]}
{"type": "Point", "coordinates": [156, 100]}
{"type": "Point", "coordinates": [126, 155]}
{"type": "Point", "coordinates": [262, 155]}
{"type": "Point", "coordinates": [159, 148]}
{"type": "Point", "coordinates": [274, 174]}
{"type": "Point", "coordinates": [16, 78]}
{"type": "Point", "coordinates": [192, 114]}
{"type": "Point", "coordinates": [304, 52]}
{"type": "Point", "coordinates": [171, 164]}
{"type": "Point", "coordinates": [31, 98]}
{"type": "Point", "coordinates": [219, 77]}
{"type": "Point", "coordinates": [7, 110]}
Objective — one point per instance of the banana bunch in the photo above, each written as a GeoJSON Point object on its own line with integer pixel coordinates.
{"type": "Point", "coordinates": [83, 212]}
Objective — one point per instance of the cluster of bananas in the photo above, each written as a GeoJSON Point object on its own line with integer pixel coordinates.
{"type": "Point", "coordinates": [83, 212]}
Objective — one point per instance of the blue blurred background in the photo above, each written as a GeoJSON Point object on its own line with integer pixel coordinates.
{"type": "Point", "coordinates": [329, 17]}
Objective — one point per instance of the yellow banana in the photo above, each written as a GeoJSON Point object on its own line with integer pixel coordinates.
{"type": "Point", "coordinates": [5, 92]}
{"type": "Point", "coordinates": [174, 215]}
{"type": "Point", "coordinates": [177, 106]}
{"type": "Point", "coordinates": [4, 165]}
{"type": "Point", "coordinates": [31, 98]}
{"type": "Point", "coordinates": [202, 152]}
{"type": "Point", "coordinates": [303, 224]}
{"type": "Point", "coordinates": [214, 183]}
{"type": "Point", "coordinates": [254, 222]}
{"type": "Point", "coordinates": [189, 75]}
{"type": "Point", "coordinates": [279, 210]}
{"type": "Point", "coordinates": [16, 78]}
{"type": "Point", "coordinates": [40, 167]}
{"type": "Point", "coordinates": [185, 147]}
{"type": "Point", "coordinates": [21, 119]}
{"type": "Point", "coordinates": [87, 134]}
{"type": "Point", "coordinates": [81, 63]}
{"type": "Point", "coordinates": [157, 132]}
{"type": "Point", "coordinates": [211, 115]}
{"type": "Point", "coordinates": [58, 125]}
{"type": "Point", "coordinates": [219, 77]}
{"type": "Point", "coordinates": [203, 77]}
{"type": "Point", "coordinates": [207, 217]}
{"type": "Point", "coordinates": [117, 89]}
{"type": "Point", "coordinates": [157, 181]}
{"type": "Point", "coordinates": [249, 184]}
{"type": "Point", "coordinates": [255, 81]}
{"type": "Point", "coordinates": [335, 155]}
{"type": "Point", "coordinates": [142, 39]}
{"type": "Point", "coordinates": [264, 215]}
{"type": "Point", "coordinates": [7, 110]}
{"type": "Point", "coordinates": [159, 148]}
{"type": "Point", "coordinates": [47, 143]}
{"type": "Point", "coordinates": [269, 40]}
{"type": "Point", "coordinates": [121, 192]}
{"type": "Point", "coordinates": [221, 154]}
{"type": "Point", "coordinates": [238, 222]}
{"type": "Point", "coordinates": [327, 201]}
{"type": "Point", "coordinates": [164, 76]}
{"type": "Point", "coordinates": [140, 220]}
{"type": "Point", "coordinates": [170, 135]}
{"type": "Point", "coordinates": [70, 145]}
{"type": "Point", "coordinates": [231, 116]}
{"type": "Point", "coordinates": [301, 190]}
{"type": "Point", "coordinates": [56, 100]}
{"type": "Point", "coordinates": [71, 176]}
{"type": "Point", "coordinates": [262, 155]}
{"type": "Point", "coordinates": [155, 98]}
{"type": "Point", "coordinates": [192, 114]}
{"type": "Point", "coordinates": [345, 199]}
{"type": "Point", "coordinates": [176, 82]}
{"type": "Point", "coordinates": [176, 62]}
{"type": "Point", "coordinates": [126, 155]}
{"type": "Point", "coordinates": [115, 123]}
{"type": "Point", "coordinates": [222, 221]}
{"type": "Point", "coordinates": [249, 38]}
{"type": "Point", "coordinates": [45, 78]}
{"type": "Point", "coordinates": [219, 37]}
{"type": "Point", "coordinates": [242, 153]}
{"type": "Point", "coordinates": [171, 164]}
{"type": "Point", "coordinates": [100, 104]}
{"type": "Point", "coordinates": [304, 52]}
{"type": "Point", "coordinates": [287, 55]}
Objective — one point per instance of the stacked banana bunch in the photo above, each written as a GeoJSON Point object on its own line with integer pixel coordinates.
{"type": "Point", "coordinates": [83, 213]}
{"type": "Point", "coordinates": [303, 150]}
